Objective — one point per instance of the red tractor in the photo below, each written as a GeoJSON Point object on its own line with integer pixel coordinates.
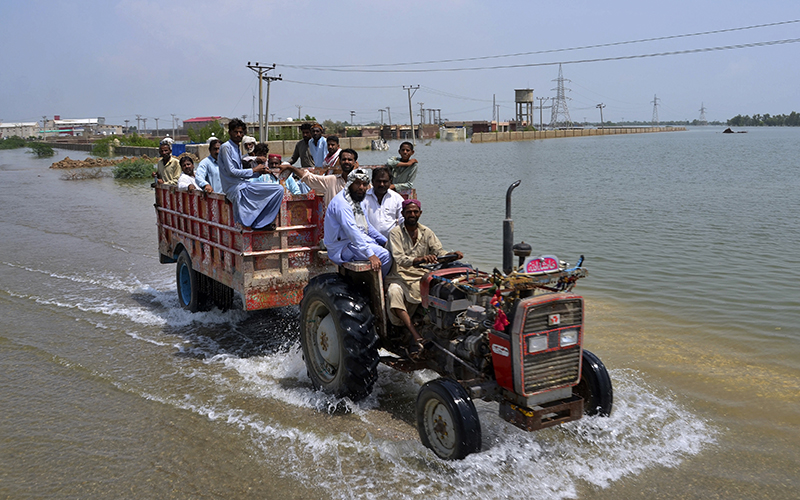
{"type": "Point", "coordinates": [513, 336]}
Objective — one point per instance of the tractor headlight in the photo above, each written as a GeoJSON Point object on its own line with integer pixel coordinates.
{"type": "Point", "coordinates": [569, 337]}
{"type": "Point", "coordinates": [537, 343]}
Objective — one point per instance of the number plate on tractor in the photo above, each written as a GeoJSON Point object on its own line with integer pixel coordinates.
{"type": "Point", "coordinates": [540, 265]}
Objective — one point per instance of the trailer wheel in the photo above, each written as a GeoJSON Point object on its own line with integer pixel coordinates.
{"type": "Point", "coordinates": [447, 420]}
{"type": "Point", "coordinates": [188, 281]}
{"type": "Point", "coordinates": [594, 386]}
{"type": "Point", "coordinates": [338, 337]}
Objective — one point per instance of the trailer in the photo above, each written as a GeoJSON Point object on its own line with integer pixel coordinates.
{"type": "Point", "coordinates": [216, 256]}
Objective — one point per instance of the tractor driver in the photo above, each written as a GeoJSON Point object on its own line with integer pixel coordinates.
{"type": "Point", "coordinates": [410, 243]}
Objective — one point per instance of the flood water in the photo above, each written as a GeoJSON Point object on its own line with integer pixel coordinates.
{"type": "Point", "coordinates": [109, 390]}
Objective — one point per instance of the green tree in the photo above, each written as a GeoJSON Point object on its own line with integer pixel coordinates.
{"type": "Point", "coordinates": [211, 129]}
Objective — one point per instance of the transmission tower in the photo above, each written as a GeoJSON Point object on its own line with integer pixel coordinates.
{"type": "Point", "coordinates": [655, 109]}
{"type": "Point", "coordinates": [702, 119]}
{"type": "Point", "coordinates": [560, 116]}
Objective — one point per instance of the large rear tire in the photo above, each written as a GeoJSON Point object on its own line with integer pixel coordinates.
{"type": "Point", "coordinates": [447, 420]}
{"type": "Point", "coordinates": [338, 337]}
{"type": "Point", "coordinates": [188, 281]}
{"type": "Point", "coordinates": [594, 386]}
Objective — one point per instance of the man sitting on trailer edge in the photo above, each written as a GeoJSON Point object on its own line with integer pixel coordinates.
{"type": "Point", "coordinates": [255, 205]}
{"type": "Point", "coordinates": [348, 235]}
{"type": "Point", "coordinates": [411, 244]}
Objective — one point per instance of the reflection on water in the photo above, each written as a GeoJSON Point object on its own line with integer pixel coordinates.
{"type": "Point", "coordinates": [691, 303]}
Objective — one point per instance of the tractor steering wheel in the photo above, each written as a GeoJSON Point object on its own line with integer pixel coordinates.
{"type": "Point", "coordinates": [440, 261]}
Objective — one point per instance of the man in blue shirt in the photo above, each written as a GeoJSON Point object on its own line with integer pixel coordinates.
{"type": "Point", "coordinates": [317, 145]}
{"type": "Point", "coordinates": [206, 174]}
{"type": "Point", "coordinates": [348, 235]}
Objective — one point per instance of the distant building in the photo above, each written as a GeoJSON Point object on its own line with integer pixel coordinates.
{"type": "Point", "coordinates": [24, 130]}
{"type": "Point", "coordinates": [202, 121]}
{"type": "Point", "coordinates": [79, 127]}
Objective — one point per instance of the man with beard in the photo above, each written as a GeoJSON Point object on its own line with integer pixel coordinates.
{"type": "Point", "coordinates": [411, 244]}
{"type": "Point", "coordinates": [348, 235]}
{"type": "Point", "coordinates": [327, 185]}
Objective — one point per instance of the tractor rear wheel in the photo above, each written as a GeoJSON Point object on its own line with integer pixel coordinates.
{"type": "Point", "coordinates": [447, 420]}
{"type": "Point", "coordinates": [188, 281]}
{"type": "Point", "coordinates": [594, 386]}
{"type": "Point", "coordinates": [338, 337]}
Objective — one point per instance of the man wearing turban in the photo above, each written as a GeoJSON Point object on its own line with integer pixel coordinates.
{"type": "Point", "coordinates": [348, 234]}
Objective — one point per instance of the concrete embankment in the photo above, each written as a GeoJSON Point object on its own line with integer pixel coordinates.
{"type": "Point", "coordinates": [554, 134]}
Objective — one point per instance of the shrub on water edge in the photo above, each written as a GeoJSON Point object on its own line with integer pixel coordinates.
{"type": "Point", "coordinates": [13, 142]}
{"type": "Point", "coordinates": [133, 169]}
{"type": "Point", "coordinates": [41, 150]}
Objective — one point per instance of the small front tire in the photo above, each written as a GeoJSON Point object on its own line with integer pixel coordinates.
{"type": "Point", "coordinates": [447, 420]}
{"type": "Point", "coordinates": [595, 386]}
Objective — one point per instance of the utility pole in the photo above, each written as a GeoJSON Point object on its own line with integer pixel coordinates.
{"type": "Point", "coordinates": [126, 127]}
{"type": "Point", "coordinates": [173, 126]}
{"type": "Point", "coordinates": [258, 68]}
{"type": "Point", "coordinates": [410, 111]}
{"type": "Point", "coordinates": [298, 111]}
{"type": "Point", "coordinates": [157, 130]}
{"type": "Point", "coordinates": [494, 107]}
{"type": "Point", "coordinates": [389, 112]}
{"type": "Point", "coordinates": [655, 109]}
{"type": "Point", "coordinates": [421, 113]}
{"type": "Point", "coordinates": [138, 128]}
{"type": "Point", "coordinates": [269, 80]}
{"type": "Point", "coordinates": [273, 116]}
{"type": "Point", "coordinates": [601, 106]}
{"type": "Point", "coordinates": [382, 111]}
{"type": "Point", "coordinates": [144, 124]}
{"type": "Point", "coordinates": [541, 103]}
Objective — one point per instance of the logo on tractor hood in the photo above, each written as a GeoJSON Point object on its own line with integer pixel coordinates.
{"type": "Point", "coordinates": [500, 350]}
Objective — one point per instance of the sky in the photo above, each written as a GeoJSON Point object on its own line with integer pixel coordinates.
{"type": "Point", "coordinates": [117, 59]}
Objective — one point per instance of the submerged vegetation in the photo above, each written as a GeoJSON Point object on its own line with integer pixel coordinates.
{"type": "Point", "coordinates": [41, 150]}
{"type": "Point", "coordinates": [83, 174]}
{"type": "Point", "coordinates": [133, 169]}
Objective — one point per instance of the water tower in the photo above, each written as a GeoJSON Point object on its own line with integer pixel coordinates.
{"type": "Point", "coordinates": [524, 101]}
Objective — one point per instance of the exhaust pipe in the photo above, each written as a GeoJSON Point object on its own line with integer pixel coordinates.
{"type": "Point", "coordinates": [508, 233]}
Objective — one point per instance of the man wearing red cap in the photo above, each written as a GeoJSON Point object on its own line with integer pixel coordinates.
{"type": "Point", "coordinates": [411, 244]}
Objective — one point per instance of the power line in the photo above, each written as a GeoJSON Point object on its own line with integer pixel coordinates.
{"type": "Point", "coordinates": [577, 61]}
{"type": "Point", "coordinates": [550, 51]}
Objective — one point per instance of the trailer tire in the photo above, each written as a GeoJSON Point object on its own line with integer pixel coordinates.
{"type": "Point", "coordinates": [188, 283]}
{"type": "Point", "coordinates": [337, 334]}
{"type": "Point", "coordinates": [447, 420]}
{"type": "Point", "coordinates": [595, 386]}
